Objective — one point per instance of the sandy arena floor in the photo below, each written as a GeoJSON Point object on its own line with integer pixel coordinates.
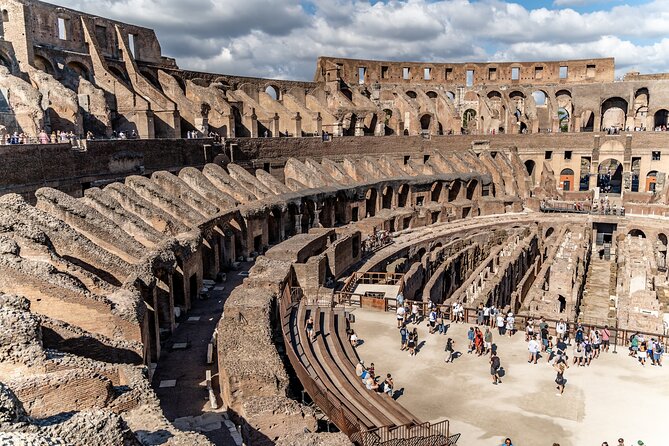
{"type": "Point", "coordinates": [614, 397]}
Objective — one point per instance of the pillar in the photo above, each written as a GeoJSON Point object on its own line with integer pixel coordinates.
{"type": "Point", "coordinates": [298, 125]}
{"type": "Point", "coordinates": [275, 127]}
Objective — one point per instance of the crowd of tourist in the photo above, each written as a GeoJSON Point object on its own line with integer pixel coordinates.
{"type": "Point", "coordinates": [377, 240]}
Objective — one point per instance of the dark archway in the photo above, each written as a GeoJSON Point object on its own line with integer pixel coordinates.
{"type": "Point", "coordinates": [387, 198]}
{"type": "Point", "coordinates": [402, 196]}
{"type": "Point", "coordinates": [530, 167]}
{"type": "Point", "coordinates": [370, 202]}
{"type": "Point", "coordinates": [567, 180]}
{"type": "Point", "coordinates": [425, 122]}
{"type": "Point", "coordinates": [637, 233]}
{"type": "Point", "coordinates": [661, 120]}
{"type": "Point", "coordinates": [609, 176]}
{"type": "Point", "coordinates": [614, 113]}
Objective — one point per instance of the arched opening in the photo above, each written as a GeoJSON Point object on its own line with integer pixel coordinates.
{"type": "Point", "coordinates": [609, 176]}
{"type": "Point", "coordinates": [471, 189]}
{"type": "Point", "coordinates": [549, 232]}
{"type": "Point", "coordinates": [81, 69]}
{"type": "Point", "coordinates": [412, 94]}
{"type": "Point", "coordinates": [425, 122]}
{"type": "Point", "coordinates": [563, 119]}
{"type": "Point", "coordinates": [641, 99]}
{"type": "Point", "coordinates": [5, 61]}
{"type": "Point", "coordinates": [584, 179]}
{"type": "Point", "coordinates": [273, 92]}
{"type": "Point", "coordinates": [340, 209]}
{"type": "Point", "coordinates": [308, 215]}
{"type": "Point", "coordinates": [523, 127]}
{"type": "Point", "coordinates": [651, 181]}
{"type": "Point", "coordinates": [43, 64]}
{"type": "Point", "coordinates": [402, 196]}
{"type": "Point", "coordinates": [469, 121]}
{"type": "Point", "coordinates": [637, 233]}
{"type": "Point", "coordinates": [349, 124]}
{"type": "Point", "coordinates": [370, 202]}
{"type": "Point", "coordinates": [273, 229]}
{"type": "Point", "coordinates": [454, 191]}
{"type": "Point", "coordinates": [614, 113]}
{"type": "Point", "coordinates": [120, 74]}
{"type": "Point", "coordinates": [435, 192]}
{"type": "Point", "coordinates": [539, 98]}
{"type": "Point", "coordinates": [530, 166]}
{"type": "Point", "coordinates": [567, 180]}
{"type": "Point", "coordinates": [450, 95]}
{"type": "Point", "coordinates": [661, 121]}
{"type": "Point", "coordinates": [432, 94]}
{"type": "Point", "coordinates": [152, 79]}
{"type": "Point", "coordinates": [387, 198]}
{"type": "Point", "coordinates": [588, 120]}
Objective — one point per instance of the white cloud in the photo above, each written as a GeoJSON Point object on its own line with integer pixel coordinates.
{"type": "Point", "coordinates": [281, 39]}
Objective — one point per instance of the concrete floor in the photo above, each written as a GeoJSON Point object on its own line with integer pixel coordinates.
{"type": "Point", "coordinates": [614, 397]}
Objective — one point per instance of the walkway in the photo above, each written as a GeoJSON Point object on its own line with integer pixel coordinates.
{"type": "Point", "coordinates": [612, 398]}
{"type": "Point", "coordinates": [596, 302]}
{"type": "Point", "coordinates": [184, 359]}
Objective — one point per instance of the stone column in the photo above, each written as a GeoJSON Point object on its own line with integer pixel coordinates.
{"type": "Point", "coordinates": [298, 125]}
{"type": "Point", "coordinates": [319, 123]}
{"type": "Point", "coordinates": [275, 129]}
{"type": "Point", "coordinates": [359, 128]}
{"type": "Point", "coordinates": [338, 130]}
{"type": "Point", "coordinates": [594, 165]}
{"type": "Point", "coordinates": [627, 165]}
{"type": "Point", "coordinates": [253, 123]}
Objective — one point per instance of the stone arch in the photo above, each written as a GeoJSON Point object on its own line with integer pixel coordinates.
{"type": "Point", "coordinates": [412, 94]}
{"type": "Point", "coordinates": [425, 122]}
{"type": "Point", "coordinates": [472, 186]}
{"type": "Point", "coordinates": [349, 123]}
{"type": "Point", "coordinates": [119, 73]}
{"type": "Point", "coordinates": [435, 191]}
{"type": "Point", "coordinates": [661, 119]}
{"type": "Point", "coordinates": [609, 176]}
{"type": "Point", "coordinates": [432, 94]}
{"type": "Point", "coordinates": [567, 179]}
{"type": "Point", "coordinates": [151, 78]}
{"type": "Point", "coordinates": [81, 69]}
{"type": "Point", "coordinates": [402, 195]}
{"type": "Point", "coordinates": [6, 61]}
{"type": "Point", "coordinates": [387, 198]}
{"type": "Point", "coordinates": [637, 233]}
{"type": "Point", "coordinates": [549, 232]}
{"type": "Point", "coordinates": [370, 202]}
{"type": "Point", "coordinates": [43, 64]}
{"type": "Point", "coordinates": [450, 95]}
{"type": "Point", "coordinates": [454, 190]}
{"type": "Point", "coordinates": [614, 113]}
{"type": "Point", "coordinates": [540, 98]}
{"type": "Point", "coordinates": [469, 121]}
{"type": "Point", "coordinates": [587, 121]}
{"type": "Point", "coordinates": [530, 167]}
{"type": "Point", "coordinates": [564, 119]}
{"type": "Point", "coordinates": [273, 91]}
{"type": "Point", "coordinates": [651, 181]}
{"type": "Point", "coordinates": [641, 101]}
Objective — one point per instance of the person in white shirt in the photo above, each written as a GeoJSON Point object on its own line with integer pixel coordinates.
{"type": "Point", "coordinates": [560, 329]}
{"type": "Point", "coordinates": [510, 321]}
{"type": "Point", "coordinates": [500, 324]}
{"type": "Point", "coordinates": [533, 348]}
{"type": "Point", "coordinates": [400, 315]}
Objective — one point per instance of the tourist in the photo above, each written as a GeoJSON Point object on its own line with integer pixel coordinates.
{"type": "Point", "coordinates": [401, 312]}
{"type": "Point", "coordinates": [642, 353]}
{"type": "Point", "coordinates": [414, 313]}
{"type": "Point", "coordinates": [440, 322]}
{"type": "Point", "coordinates": [470, 339]}
{"type": "Point", "coordinates": [371, 384]}
{"type": "Point", "coordinates": [543, 332]}
{"type": "Point", "coordinates": [533, 348]}
{"type": "Point", "coordinates": [403, 337]}
{"type": "Point", "coordinates": [353, 339]}
{"type": "Point", "coordinates": [510, 321]}
{"type": "Point", "coordinates": [310, 328]}
{"type": "Point", "coordinates": [411, 344]}
{"type": "Point", "coordinates": [507, 442]}
{"type": "Point", "coordinates": [634, 344]}
{"type": "Point", "coordinates": [500, 323]}
{"type": "Point", "coordinates": [495, 365]}
{"type": "Point", "coordinates": [596, 344]}
{"type": "Point", "coordinates": [388, 385]}
{"type": "Point", "coordinates": [606, 336]}
{"type": "Point", "coordinates": [559, 379]}
{"type": "Point", "coordinates": [493, 316]}
{"type": "Point", "coordinates": [360, 368]}
{"type": "Point", "coordinates": [479, 315]}
{"type": "Point", "coordinates": [487, 340]}
{"type": "Point", "coordinates": [478, 341]}
{"type": "Point", "coordinates": [486, 316]}
{"type": "Point", "coordinates": [587, 348]}
{"type": "Point", "coordinates": [529, 329]}
{"type": "Point", "coordinates": [43, 137]}
{"type": "Point", "coordinates": [400, 299]}
{"type": "Point", "coordinates": [657, 353]}
{"type": "Point", "coordinates": [432, 320]}
{"type": "Point", "coordinates": [371, 370]}
{"type": "Point", "coordinates": [449, 350]}
{"type": "Point", "coordinates": [579, 354]}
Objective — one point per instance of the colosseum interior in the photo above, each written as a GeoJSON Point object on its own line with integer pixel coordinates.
{"type": "Point", "coordinates": [538, 187]}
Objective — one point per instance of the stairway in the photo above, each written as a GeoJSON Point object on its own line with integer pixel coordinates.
{"type": "Point", "coordinates": [596, 305]}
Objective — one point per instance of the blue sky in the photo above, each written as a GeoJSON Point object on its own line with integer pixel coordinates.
{"type": "Point", "coordinates": [283, 38]}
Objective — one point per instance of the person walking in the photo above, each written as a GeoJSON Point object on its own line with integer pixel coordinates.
{"type": "Point", "coordinates": [533, 348]}
{"type": "Point", "coordinates": [310, 328]}
{"type": "Point", "coordinates": [470, 339]}
{"type": "Point", "coordinates": [560, 367]}
{"type": "Point", "coordinates": [487, 340]}
{"type": "Point", "coordinates": [403, 337]}
{"type": "Point", "coordinates": [449, 350]}
{"type": "Point", "coordinates": [495, 365]}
